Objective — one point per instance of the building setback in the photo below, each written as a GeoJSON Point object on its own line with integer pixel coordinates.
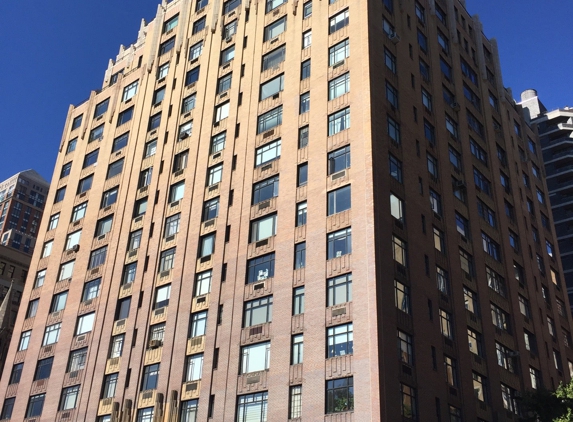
{"type": "Point", "coordinates": [259, 178]}
{"type": "Point", "coordinates": [555, 130]}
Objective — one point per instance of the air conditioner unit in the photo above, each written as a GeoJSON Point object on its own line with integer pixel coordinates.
{"type": "Point", "coordinates": [459, 184]}
{"type": "Point", "coordinates": [153, 344]}
{"type": "Point", "coordinates": [183, 135]}
{"type": "Point", "coordinates": [229, 39]}
{"type": "Point", "coordinates": [395, 38]}
{"type": "Point", "coordinates": [76, 248]}
{"type": "Point", "coordinates": [455, 106]}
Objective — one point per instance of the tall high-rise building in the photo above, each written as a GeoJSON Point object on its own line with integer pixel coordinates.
{"type": "Point", "coordinates": [22, 200]}
{"type": "Point", "coordinates": [256, 179]}
{"type": "Point", "coordinates": [555, 129]}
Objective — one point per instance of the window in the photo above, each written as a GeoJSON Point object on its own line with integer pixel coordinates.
{"type": "Point", "coordinates": [218, 142]}
{"type": "Point", "coordinates": [40, 278]}
{"type": "Point", "coordinates": [199, 24]}
{"type": "Point", "coordinates": [340, 86]}
{"type": "Point", "coordinates": [390, 60]}
{"type": "Point", "coordinates": [306, 39]}
{"type": "Point", "coordinates": [274, 29]}
{"type": "Point", "coordinates": [307, 9]}
{"type": "Point", "coordinates": [272, 87]}
{"type": "Point", "coordinates": [158, 96]}
{"type": "Point", "coordinates": [77, 122]}
{"type": "Point", "coordinates": [451, 371]}
{"type": "Point", "coordinates": [230, 29]}
{"type": "Point", "coordinates": [266, 189]}
{"type": "Point", "coordinates": [436, 202]}
{"type": "Point", "coordinates": [446, 69]}
{"type": "Point", "coordinates": [140, 207]}
{"type": "Point", "coordinates": [198, 324]}
{"type": "Point", "coordinates": [298, 301]}
{"type": "Point", "coordinates": [202, 283]}
{"type": "Point", "coordinates": [491, 247]}
{"type": "Point", "coordinates": [508, 396]}
{"type": "Point", "coordinates": [176, 191]}
{"type": "Point", "coordinates": [71, 145]}
{"type": "Point", "coordinates": [402, 296]}
{"type": "Point", "coordinates": [338, 21]}
{"type": "Point", "coordinates": [339, 243]}
{"type": "Point", "coordinates": [340, 395]}
{"type": "Point", "coordinates": [255, 357]}
{"type": "Point", "coordinates": [66, 169]}
{"type": "Point", "coordinates": [395, 166]}
{"type": "Point", "coordinates": [504, 357]}
{"type": "Point", "coordinates": [304, 106]}
{"type": "Point", "coordinates": [109, 386]}
{"type": "Point", "coordinates": [305, 70]}
{"type": "Point", "coordinates": [302, 175]}
{"type": "Point", "coordinates": [500, 318]}
{"type": "Point", "coordinates": [96, 134]}
{"type": "Point", "coordinates": [481, 182]}
{"type": "Point", "coordinates": [210, 209]}
{"type": "Point", "coordinates": [339, 200]}
{"type": "Point", "coordinates": [97, 257]}
{"type": "Point", "coordinates": [469, 72]}
{"type": "Point", "coordinates": [66, 270]}
{"type": "Point", "coordinates": [393, 130]}
{"type": "Point", "coordinates": [150, 377]}
{"type": "Point", "coordinates": [103, 226]}
{"type": "Point", "coordinates": [442, 280]}
{"type": "Point", "coordinates": [47, 250]}
{"type": "Point", "coordinates": [150, 148]}
{"type": "Point", "coordinates": [163, 71]}
{"type": "Point", "coordinates": [16, 373]}
{"type": "Point", "coordinates": [125, 116]}
{"type": "Point", "coordinates": [24, 340]}
{"type": "Point", "coordinates": [91, 289]}
{"type": "Point", "coordinates": [301, 214]}
{"type": "Point", "coordinates": [274, 58]}
{"type": "Point", "coordinates": [85, 323]}
{"type": "Point", "coordinates": [422, 41]}
{"type": "Point", "coordinates": [154, 121]}
{"type": "Point", "coordinates": [166, 46]}
{"type": "Point", "coordinates": [172, 225]}
{"type": "Point", "coordinates": [405, 348]}
{"type": "Point", "coordinates": [214, 174]}
{"type": "Point", "coordinates": [145, 414]}
{"type": "Point", "coordinates": [270, 119]}
{"type": "Point", "coordinates": [180, 161]}
{"type": "Point", "coordinates": [339, 340]}
{"type": "Point", "coordinates": [85, 184]}
{"type": "Point", "coordinates": [227, 55]}
{"type": "Point", "coordinates": [432, 165]}
{"type": "Point", "coordinates": [339, 160]}
{"type": "Point", "coordinates": [252, 407]}
{"type": "Point", "coordinates": [115, 168]}
{"type": "Point", "coordinates": [116, 347]}
{"type": "Point", "coordinates": [338, 52]}
{"type": "Point", "coordinates": [263, 228]}
{"type": "Point", "coordinates": [58, 302]}
{"type": "Point", "coordinates": [486, 213]}
{"type": "Point", "coordinates": [258, 311]}
{"type": "Point", "coordinates": [446, 324]}
{"type": "Point", "coordinates": [51, 334]}
{"type": "Point", "coordinates": [295, 400]}
{"type": "Point", "coordinates": [35, 405]}
{"type": "Point", "coordinates": [267, 153]}
{"type": "Point", "coordinates": [193, 368]}
{"type": "Point", "coordinates": [470, 301]}
{"type": "Point", "coordinates": [32, 308]}
{"type": "Point", "coordinates": [339, 290]}
{"type": "Point", "coordinates": [167, 260]}
{"type": "Point", "coordinates": [134, 241]}
{"type": "Point", "coordinates": [300, 255]}
{"type": "Point", "coordinates": [338, 121]}
{"type": "Point", "coordinates": [188, 104]}
{"type": "Point", "coordinates": [101, 108]}
{"type": "Point", "coordinates": [195, 51]}
{"type": "Point", "coordinates": [297, 347]}
{"type": "Point", "coordinates": [391, 95]}
{"type": "Point", "coordinates": [261, 268]}
{"type": "Point", "coordinates": [90, 159]}
{"type": "Point", "coordinates": [399, 250]}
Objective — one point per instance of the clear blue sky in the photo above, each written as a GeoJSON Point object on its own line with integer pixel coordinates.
{"type": "Point", "coordinates": [52, 53]}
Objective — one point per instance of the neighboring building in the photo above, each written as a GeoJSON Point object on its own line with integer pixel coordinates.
{"type": "Point", "coordinates": [182, 281]}
{"type": "Point", "coordinates": [14, 267]}
{"type": "Point", "coordinates": [555, 130]}
{"type": "Point", "coordinates": [22, 200]}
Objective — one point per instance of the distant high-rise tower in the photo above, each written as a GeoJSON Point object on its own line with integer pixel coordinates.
{"type": "Point", "coordinates": [555, 130]}
{"type": "Point", "coordinates": [259, 178]}
{"type": "Point", "coordinates": [22, 200]}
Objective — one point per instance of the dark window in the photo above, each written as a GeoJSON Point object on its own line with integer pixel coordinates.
{"type": "Point", "coordinates": [109, 197]}
{"type": "Point", "coordinates": [16, 373]}
{"type": "Point", "coordinates": [122, 310]}
{"type": "Point", "coordinates": [302, 175]}
{"type": "Point", "coordinates": [125, 116]}
{"type": "Point", "coordinates": [266, 189]}
{"type": "Point", "coordinates": [150, 377]}
{"type": "Point", "coordinates": [66, 169]}
{"type": "Point", "coordinates": [192, 76]}
{"type": "Point", "coordinates": [115, 168]}
{"type": "Point", "coordinates": [43, 369]}
{"type": "Point", "coordinates": [167, 46]}
{"type": "Point", "coordinates": [340, 395]}
{"type": "Point", "coordinates": [339, 243]}
{"type": "Point", "coordinates": [305, 70]}
{"type": "Point", "coordinates": [120, 142]}
{"type": "Point", "coordinates": [154, 121]}
{"type": "Point", "coordinates": [339, 200]}
{"type": "Point", "coordinates": [35, 405]}
{"type": "Point", "coordinates": [101, 108]}
{"type": "Point", "coordinates": [91, 158]}
{"type": "Point", "coordinates": [261, 268]}
{"type": "Point", "coordinates": [300, 255]}
{"type": "Point", "coordinates": [85, 184]}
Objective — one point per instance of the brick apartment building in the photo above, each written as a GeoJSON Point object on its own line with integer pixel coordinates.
{"type": "Point", "coordinates": [256, 179]}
